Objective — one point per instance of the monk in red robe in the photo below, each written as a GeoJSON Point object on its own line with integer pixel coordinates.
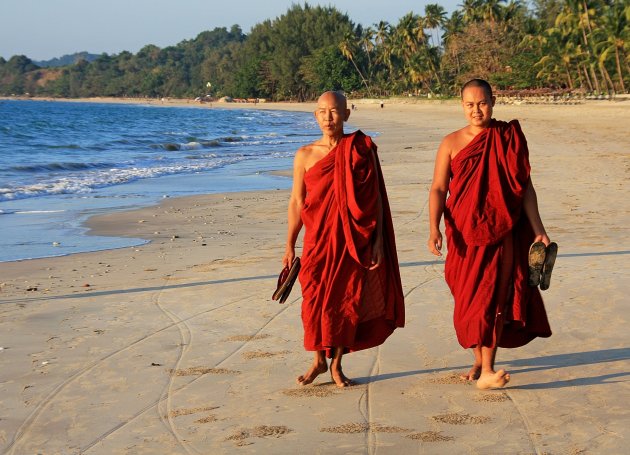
{"type": "Point", "coordinates": [351, 289]}
{"type": "Point", "coordinates": [491, 218]}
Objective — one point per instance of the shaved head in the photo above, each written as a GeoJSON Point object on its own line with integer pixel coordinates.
{"type": "Point", "coordinates": [339, 99]}
{"type": "Point", "coordinates": [478, 83]}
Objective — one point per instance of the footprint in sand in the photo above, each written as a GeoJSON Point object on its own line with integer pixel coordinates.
{"type": "Point", "coordinates": [451, 378]}
{"type": "Point", "coordinates": [377, 428]}
{"type": "Point", "coordinates": [262, 354]}
{"type": "Point", "coordinates": [261, 431]}
{"type": "Point", "coordinates": [189, 411]}
{"type": "Point", "coordinates": [350, 428]}
{"type": "Point", "coordinates": [261, 336]}
{"type": "Point", "coordinates": [461, 419]}
{"type": "Point", "coordinates": [491, 397]}
{"type": "Point", "coordinates": [347, 428]}
{"type": "Point", "coordinates": [316, 390]}
{"type": "Point", "coordinates": [198, 371]}
{"type": "Point", "coordinates": [430, 436]}
{"type": "Point", "coordinates": [208, 419]}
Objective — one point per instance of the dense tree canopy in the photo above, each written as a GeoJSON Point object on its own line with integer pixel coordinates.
{"type": "Point", "coordinates": [571, 44]}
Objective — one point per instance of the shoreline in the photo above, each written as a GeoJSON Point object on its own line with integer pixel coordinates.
{"type": "Point", "coordinates": [175, 346]}
{"type": "Point", "coordinates": [309, 106]}
{"type": "Point", "coordinates": [371, 109]}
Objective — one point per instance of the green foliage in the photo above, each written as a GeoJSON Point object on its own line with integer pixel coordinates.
{"type": "Point", "coordinates": [285, 42]}
{"type": "Point", "coordinates": [67, 60]}
{"type": "Point", "coordinates": [326, 69]}
{"type": "Point", "coordinates": [578, 44]}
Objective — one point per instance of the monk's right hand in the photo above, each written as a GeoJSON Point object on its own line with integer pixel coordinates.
{"type": "Point", "coordinates": [288, 257]}
{"type": "Point", "coordinates": [435, 243]}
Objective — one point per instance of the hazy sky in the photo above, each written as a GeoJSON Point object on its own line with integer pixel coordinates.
{"type": "Point", "coordinates": [44, 29]}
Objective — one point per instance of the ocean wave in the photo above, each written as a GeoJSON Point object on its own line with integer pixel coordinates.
{"type": "Point", "coordinates": [88, 181]}
{"type": "Point", "coordinates": [32, 212]}
{"type": "Point", "coordinates": [176, 146]}
{"type": "Point", "coordinates": [59, 167]}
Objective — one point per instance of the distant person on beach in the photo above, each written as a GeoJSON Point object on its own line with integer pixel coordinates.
{"type": "Point", "coordinates": [351, 289]}
{"type": "Point", "coordinates": [491, 218]}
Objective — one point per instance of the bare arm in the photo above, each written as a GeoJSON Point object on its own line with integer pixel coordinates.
{"type": "Point", "coordinates": [296, 202]}
{"type": "Point", "coordinates": [530, 205]}
{"type": "Point", "coordinates": [437, 196]}
{"type": "Point", "coordinates": [377, 247]}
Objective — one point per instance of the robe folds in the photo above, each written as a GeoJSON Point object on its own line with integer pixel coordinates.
{"type": "Point", "coordinates": [345, 304]}
{"type": "Point", "coordinates": [485, 221]}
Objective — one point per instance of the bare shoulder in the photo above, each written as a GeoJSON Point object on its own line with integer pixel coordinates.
{"type": "Point", "coordinates": [456, 141]}
{"type": "Point", "coordinates": [302, 154]}
{"type": "Point", "coordinates": [309, 154]}
{"type": "Point", "coordinates": [449, 142]}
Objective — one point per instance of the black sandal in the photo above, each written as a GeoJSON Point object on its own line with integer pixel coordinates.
{"type": "Point", "coordinates": [550, 260]}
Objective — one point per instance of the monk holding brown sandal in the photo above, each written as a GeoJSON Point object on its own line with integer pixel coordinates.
{"type": "Point", "coordinates": [492, 218]}
{"type": "Point", "coordinates": [352, 295]}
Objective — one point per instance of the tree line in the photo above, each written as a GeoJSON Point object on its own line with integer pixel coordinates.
{"type": "Point", "coordinates": [575, 45]}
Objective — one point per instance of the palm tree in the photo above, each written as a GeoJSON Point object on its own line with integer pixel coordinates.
{"type": "Point", "coordinates": [492, 10]}
{"type": "Point", "coordinates": [572, 18]}
{"type": "Point", "coordinates": [452, 28]}
{"type": "Point", "coordinates": [366, 42]}
{"type": "Point", "coordinates": [382, 39]}
{"type": "Point", "coordinates": [513, 10]}
{"type": "Point", "coordinates": [472, 10]}
{"type": "Point", "coordinates": [434, 18]}
{"type": "Point", "coordinates": [614, 37]}
{"type": "Point", "coordinates": [348, 48]}
{"type": "Point", "coordinates": [411, 33]}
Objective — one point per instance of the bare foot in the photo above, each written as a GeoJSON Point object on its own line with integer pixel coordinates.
{"type": "Point", "coordinates": [473, 374]}
{"type": "Point", "coordinates": [315, 370]}
{"type": "Point", "coordinates": [340, 379]}
{"type": "Point", "coordinates": [493, 380]}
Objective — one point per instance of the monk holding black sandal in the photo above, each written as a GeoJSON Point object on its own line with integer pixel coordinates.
{"type": "Point", "coordinates": [494, 233]}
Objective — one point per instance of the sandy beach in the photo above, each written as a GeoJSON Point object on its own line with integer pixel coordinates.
{"type": "Point", "coordinates": [176, 347]}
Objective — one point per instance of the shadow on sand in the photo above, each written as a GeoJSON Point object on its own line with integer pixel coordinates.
{"type": "Point", "coordinates": [550, 362]}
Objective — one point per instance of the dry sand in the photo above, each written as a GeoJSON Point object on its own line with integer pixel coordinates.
{"type": "Point", "coordinates": [175, 347]}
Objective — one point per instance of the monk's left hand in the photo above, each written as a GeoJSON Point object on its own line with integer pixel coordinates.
{"type": "Point", "coordinates": [377, 254]}
{"type": "Point", "coordinates": [542, 238]}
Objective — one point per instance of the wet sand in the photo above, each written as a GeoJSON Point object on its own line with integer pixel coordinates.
{"type": "Point", "coordinates": [176, 346]}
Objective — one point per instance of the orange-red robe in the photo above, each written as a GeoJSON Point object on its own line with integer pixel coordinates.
{"type": "Point", "coordinates": [344, 304]}
{"type": "Point", "coordinates": [484, 213]}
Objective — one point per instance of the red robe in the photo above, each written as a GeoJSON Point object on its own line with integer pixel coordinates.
{"type": "Point", "coordinates": [484, 216]}
{"type": "Point", "coordinates": [344, 304]}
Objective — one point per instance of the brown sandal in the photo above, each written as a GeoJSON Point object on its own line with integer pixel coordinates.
{"type": "Point", "coordinates": [536, 261]}
{"type": "Point", "coordinates": [286, 280]}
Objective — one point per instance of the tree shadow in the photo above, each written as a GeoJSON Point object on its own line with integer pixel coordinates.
{"type": "Point", "coordinates": [143, 289]}
{"type": "Point", "coordinates": [593, 380]}
{"type": "Point", "coordinates": [240, 279]}
{"type": "Point", "coordinates": [550, 362]}
{"type": "Point", "coordinates": [570, 360]}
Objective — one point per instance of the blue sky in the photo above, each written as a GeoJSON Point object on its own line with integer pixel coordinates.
{"type": "Point", "coordinates": [44, 29]}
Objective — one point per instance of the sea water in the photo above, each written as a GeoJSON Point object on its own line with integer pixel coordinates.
{"type": "Point", "coordinates": [61, 162]}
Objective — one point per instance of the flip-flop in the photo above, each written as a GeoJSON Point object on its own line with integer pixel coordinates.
{"type": "Point", "coordinates": [536, 260]}
{"type": "Point", "coordinates": [550, 260]}
{"type": "Point", "coordinates": [286, 280]}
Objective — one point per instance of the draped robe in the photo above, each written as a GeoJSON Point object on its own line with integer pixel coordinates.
{"type": "Point", "coordinates": [485, 221]}
{"type": "Point", "coordinates": [344, 304]}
